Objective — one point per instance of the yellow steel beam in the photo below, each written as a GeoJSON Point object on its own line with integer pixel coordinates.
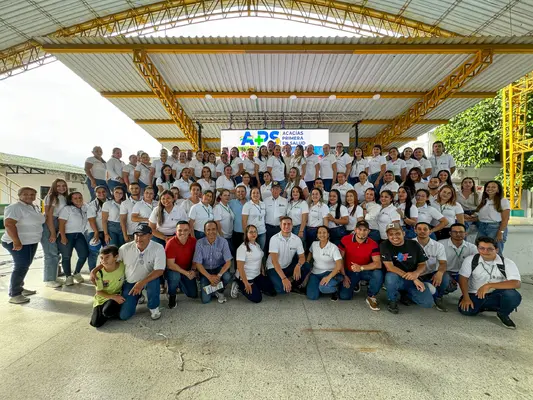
{"type": "Point", "coordinates": [217, 140]}
{"type": "Point", "coordinates": [300, 95]}
{"type": "Point", "coordinates": [176, 112]}
{"type": "Point", "coordinates": [364, 122]}
{"type": "Point", "coordinates": [170, 14]}
{"type": "Point", "coordinates": [453, 82]}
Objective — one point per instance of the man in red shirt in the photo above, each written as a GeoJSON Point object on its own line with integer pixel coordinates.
{"type": "Point", "coordinates": [361, 262]}
{"type": "Point", "coordinates": [179, 271]}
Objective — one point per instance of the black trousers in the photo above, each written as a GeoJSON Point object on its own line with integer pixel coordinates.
{"type": "Point", "coordinates": [102, 313]}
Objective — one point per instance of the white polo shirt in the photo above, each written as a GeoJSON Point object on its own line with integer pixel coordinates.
{"type": "Point", "coordinates": [60, 202]}
{"type": "Point", "coordinates": [143, 208]}
{"type": "Point", "coordinates": [298, 164]}
{"type": "Point", "coordinates": [449, 211]}
{"type": "Point", "coordinates": [94, 210]}
{"type": "Point", "coordinates": [235, 165]}
{"type": "Point", "coordinates": [220, 169]}
{"type": "Point", "coordinates": [157, 165]}
{"type": "Point", "coordinates": [178, 167]}
{"type": "Point", "coordinates": [358, 166]}
{"type": "Point", "coordinates": [126, 208]}
{"type": "Point", "coordinates": [266, 191]}
{"type": "Point", "coordinates": [342, 161]}
{"type": "Point", "coordinates": [375, 163]}
{"type": "Point", "coordinates": [396, 166]}
{"type": "Point", "coordinates": [443, 162]}
{"type": "Point", "coordinates": [252, 260]}
{"type": "Point", "coordinates": [184, 187]}
{"type": "Point", "coordinates": [324, 258]}
{"type": "Point", "coordinates": [256, 215]}
{"type": "Point", "coordinates": [201, 214]}
{"type": "Point", "coordinates": [469, 203]}
{"type": "Point", "coordinates": [213, 169]}
{"type": "Point", "coordinates": [225, 216]}
{"type": "Point", "coordinates": [386, 216]}
{"type": "Point", "coordinates": [488, 212]}
{"type": "Point", "coordinates": [310, 172]}
{"type": "Point", "coordinates": [326, 166]}
{"type": "Point", "coordinates": [278, 168]}
{"type": "Point", "coordinates": [290, 186]}
{"type": "Point", "coordinates": [188, 204]}
{"type": "Point", "coordinates": [488, 272]}
{"type": "Point", "coordinates": [360, 189]}
{"type": "Point", "coordinates": [261, 163]}
{"type": "Point", "coordinates": [225, 183]}
{"type": "Point", "coordinates": [427, 214]}
{"type": "Point", "coordinates": [317, 212]}
{"type": "Point", "coordinates": [140, 264]}
{"type": "Point", "coordinates": [249, 166]}
{"type": "Point", "coordinates": [76, 218]}
{"type": "Point", "coordinates": [130, 170]}
{"type": "Point", "coordinates": [170, 220]}
{"type": "Point", "coordinates": [352, 219]}
{"type": "Point", "coordinates": [29, 223]}
{"type": "Point", "coordinates": [114, 168]}
{"type": "Point", "coordinates": [295, 210]}
{"type": "Point", "coordinates": [392, 186]}
{"type": "Point", "coordinates": [144, 169]}
{"type": "Point", "coordinates": [166, 185]}
{"type": "Point", "coordinates": [211, 185]}
{"type": "Point", "coordinates": [413, 212]}
{"type": "Point", "coordinates": [456, 255]}
{"type": "Point", "coordinates": [435, 252]}
{"type": "Point", "coordinates": [275, 208]}
{"type": "Point", "coordinates": [196, 166]}
{"type": "Point", "coordinates": [113, 209]}
{"type": "Point", "coordinates": [286, 249]}
{"type": "Point", "coordinates": [343, 212]}
{"type": "Point", "coordinates": [372, 212]}
{"type": "Point", "coordinates": [99, 169]}
{"type": "Point", "coordinates": [412, 163]}
{"type": "Point", "coordinates": [343, 189]}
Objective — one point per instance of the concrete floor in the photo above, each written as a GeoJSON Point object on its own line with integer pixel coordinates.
{"type": "Point", "coordinates": [284, 348]}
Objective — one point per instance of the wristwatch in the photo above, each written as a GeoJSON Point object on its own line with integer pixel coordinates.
{"type": "Point", "coordinates": [362, 268]}
{"type": "Point", "coordinates": [502, 231]}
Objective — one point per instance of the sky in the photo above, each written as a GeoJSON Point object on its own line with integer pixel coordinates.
{"type": "Point", "coordinates": [52, 114]}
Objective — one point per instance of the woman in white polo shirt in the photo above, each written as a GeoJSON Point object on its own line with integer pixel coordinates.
{"type": "Point", "coordinates": [261, 161]}
{"type": "Point", "coordinates": [224, 217]}
{"type": "Point", "coordinates": [448, 206]}
{"type": "Point", "coordinates": [128, 171]}
{"type": "Point", "coordinates": [212, 165]}
{"type": "Point", "coordinates": [427, 214]}
{"type": "Point", "coordinates": [425, 165]}
{"type": "Point", "coordinates": [371, 210]}
{"type": "Point", "coordinates": [469, 199]}
{"type": "Point", "coordinates": [414, 180]}
{"type": "Point", "coordinates": [362, 185]}
{"type": "Point", "coordinates": [410, 162]}
{"type": "Point", "coordinates": [355, 212]}
{"type": "Point", "coordinates": [246, 182]}
{"type": "Point", "coordinates": [143, 209]}
{"type": "Point", "coordinates": [226, 181]}
{"type": "Point", "coordinates": [266, 187]}
{"type": "Point", "coordinates": [312, 166]}
{"type": "Point", "coordinates": [182, 163]}
{"type": "Point", "coordinates": [295, 180]}
{"type": "Point", "coordinates": [184, 183]}
{"type": "Point", "coordinates": [343, 159]}
{"type": "Point", "coordinates": [318, 216]}
{"type": "Point", "coordinates": [201, 213]}
{"type": "Point", "coordinates": [197, 164]}
{"type": "Point", "coordinates": [298, 160]}
{"type": "Point", "coordinates": [328, 168]}
{"type": "Point", "coordinates": [95, 232]}
{"type": "Point", "coordinates": [72, 224]}
{"type": "Point", "coordinates": [377, 165]}
{"type": "Point", "coordinates": [298, 210]}
{"type": "Point", "coordinates": [396, 165]}
{"type": "Point", "coordinates": [337, 217]}
{"type": "Point", "coordinates": [408, 211]}
{"type": "Point", "coordinates": [251, 167]}
{"type": "Point", "coordinates": [24, 228]}
{"type": "Point", "coordinates": [493, 214]}
{"type": "Point", "coordinates": [359, 164]}
{"type": "Point", "coordinates": [253, 213]}
{"type": "Point", "coordinates": [111, 218]}
{"type": "Point", "coordinates": [325, 276]}
{"type": "Point", "coordinates": [389, 184]}
{"type": "Point", "coordinates": [165, 217]}
{"type": "Point", "coordinates": [276, 167]}
{"type": "Point", "coordinates": [54, 202]}
{"type": "Point", "coordinates": [388, 214]}
{"type": "Point", "coordinates": [248, 279]}
{"type": "Point", "coordinates": [207, 182]}
{"type": "Point", "coordinates": [165, 180]}
{"type": "Point", "coordinates": [237, 165]}
{"type": "Point", "coordinates": [143, 171]}
{"type": "Point", "coordinates": [221, 165]}
{"type": "Point", "coordinates": [96, 171]}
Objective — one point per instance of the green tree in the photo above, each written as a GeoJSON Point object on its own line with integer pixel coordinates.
{"type": "Point", "coordinates": [474, 137]}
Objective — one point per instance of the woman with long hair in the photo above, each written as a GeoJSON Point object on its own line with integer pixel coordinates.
{"type": "Point", "coordinates": [371, 210]}
{"type": "Point", "coordinates": [414, 180]}
{"type": "Point", "coordinates": [248, 279]}
{"type": "Point", "coordinates": [226, 181]}
{"type": "Point", "coordinates": [388, 214]}
{"type": "Point", "coordinates": [337, 217]}
{"type": "Point", "coordinates": [224, 217]}
{"type": "Point", "coordinates": [408, 211]}
{"type": "Point", "coordinates": [377, 166]}
{"type": "Point", "coordinates": [276, 167]}
{"type": "Point", "coordinates": [184, 183]}
{"type": "Point", "coordinates": [157, 168]}
{"type": "Point", "coordinates": [237, 165]}
{"type": "Point", "coordinates": [251, 167]}
{"type": "Point", "coordinates": [318, 216]}
{"type": "Point", "coordinates": [166, 180]}
{"type": "Point", "coordinates": [96, 171]}
{"type": "Point", "coordinates": [179, 166]}
{"type": "Point", "coordinates": [143, 209]}
{"type": "Point", "coordinates": [298, 160]}
{"type": "Point", "coordinates": [201, 213]}
{"type": "Point", "coordinates": [111, 218]}
{"type": "Point", "coordinates": [410, 161]}
{"type": "Point", "coordinates": [246, 180]}
{"type": "Point", "coordinates": [298, 210]}
{"type": "Point", "coordinates": [448, 206]}
{"type": "Point", "coordinates": [312, 166]}
{"type": "Point", "coordinates": [425, 165]}
{"type": "Point", "coordinates": [328, 168]}
{"type": "Point", "coordinates": [469, 199]}
{"type": "Point", "coordinates": [445, 178]}
{"type": "Point", "coordinates": [358, 165]}
{"type": "Point", "coordinates": [253, 213]}
{"type": "Point", "coordinates": [143, 171]}
{"type": "Point", "coordinates": [261, 161]}
{"type": "Point", "coordinates": [207, 182]}
{"type": "Point", "coordinates": [223, 163]}
{"type": "Point", "coordinates": [295, 180]}
{"type": "Point", "coordinates": [396, 165]}
{"type": "Point", "coordinates": [197, 164]}
{"type": "Point", "coordinates": [95, 232]}
{"type": "Point", "coordinates": [165, 217]}
{"type": "Point", "coordinates": [54, 202]}
{"type": "Point", "coordinates": [355, 212]}
{"type": "Point", "coordinates": [212, 165]}
{"type": "Point", "coordinates": [195, 198]}
{"type": "Point", "coordinates": [426, 213]}
{"type": "Point", "coordinates": [266, 187]}
{"type": "Point", "coordinates": [72, 224]}
{"type": "Point", "coordinates": [493, 214]}
{"type": "Point", "coordinates": [362, 185]}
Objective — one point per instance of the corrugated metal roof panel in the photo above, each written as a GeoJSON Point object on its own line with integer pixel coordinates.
{"type": "Point", "coordinates": [451, 107]}
{"type": "Point", "coordinates": [138, 108]}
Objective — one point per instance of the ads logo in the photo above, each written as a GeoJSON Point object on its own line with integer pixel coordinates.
{"type": "Point", "coordinates": [261, 137]}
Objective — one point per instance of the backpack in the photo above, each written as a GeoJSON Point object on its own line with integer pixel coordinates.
{"type": "Point", "coordinates": [501, 267]}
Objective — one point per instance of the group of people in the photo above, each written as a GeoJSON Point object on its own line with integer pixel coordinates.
{"type": "Point", "coordinates": [282, 220]}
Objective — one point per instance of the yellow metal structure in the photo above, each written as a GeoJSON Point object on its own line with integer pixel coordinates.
{"type": "Point", "coordinates": [363, 122]}
{"type": "Point", "coordinates": [454, 81]}
{"type": "Point", "coordinates": [153, 78]}
{"type": "Point", "coordinates": [171, 14]}
{"type": "Point", "coordinates": [515, 140]}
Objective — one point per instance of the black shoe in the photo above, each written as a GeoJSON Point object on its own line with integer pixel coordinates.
{"type": "Point", "coordinates": [357, 288]}
{"type": "Point", "coordinates": [393, 307]}
{"type": "Point", "coordinates": [172, 303]}
{"type": "Point", "coordinates": [334, 297]}
{"type": "Point", "coordinates": [298, 290]}
{"type": "Point", "coordinates": [506, 321]}
{"type": "Point", "coordinates": [439, 304]}
{"type": "Point", "coordinates": [405, 300]}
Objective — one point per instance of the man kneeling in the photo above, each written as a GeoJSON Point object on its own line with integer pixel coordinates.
{"type": "Point", "coordinates": [489, 283]}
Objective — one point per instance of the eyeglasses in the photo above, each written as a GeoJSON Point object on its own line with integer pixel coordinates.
{"type": "Point", "coordinates": [457, 232]}
{"type": "Point", "coordinates": [486, 248]}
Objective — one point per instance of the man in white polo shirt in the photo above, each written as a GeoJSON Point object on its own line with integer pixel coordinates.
{"type": "Point", "coordinates": [276, 207]}
{"type": "Point", "coordinates": [114, 168]}
{"type": "Point", "coordinates": [440, 160]}
{"type": "Point", "coordinates": [286, 266]}
{"type": "Point", "coordinates": [489, 283]}
{"type": "Point", "coordinates": [342, 185]}
{"type": "Point", "coordinates": [126, 208]}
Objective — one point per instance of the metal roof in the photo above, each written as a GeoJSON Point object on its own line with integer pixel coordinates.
{"type": "Point", "coordinates": [30, 162]}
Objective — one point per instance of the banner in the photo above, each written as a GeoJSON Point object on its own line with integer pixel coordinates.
{"type": "Point", "coordinates": [245, 139]}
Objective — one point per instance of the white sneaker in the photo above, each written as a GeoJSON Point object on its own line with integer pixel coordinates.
{"type": "Point", "coordinates": [27, 292]}
{"type": "Point", "coordinates": [53, 284]}
{"type": "Point", "coordinates": [143, 297]}
{"type": "Point", "coordinates": [221, 298]}
{"type": "Point", "coordinates": [234, 293]}
{"type": "Point", "coordinates": [69, 281]}
{"type": "Point", "coordinates": [78, 278]}
{"type": "Point", "coordinates": [155, 313]}
{"type": "Point", "coordinates": [20, 299]}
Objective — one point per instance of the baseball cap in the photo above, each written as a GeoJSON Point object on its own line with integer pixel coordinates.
{"type": "Point", "coordinates": [143, 229]}
{"type": "Point", "coordinates": [394, 225]}
{"type": "Point", "coordinates": [275, 184]}
{"type": "Point", "coordinates": [363, 223]}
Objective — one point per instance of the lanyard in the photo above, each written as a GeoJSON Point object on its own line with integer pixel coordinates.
{"type": "Point", "coordinates": [292, 205]}
{"type": "Point", "coordinates": [208, 212]}
{"type": "Point", "coordinates": [228, 210]}
{"type": "Point", "coordinates": [490, 273]}
{"type": "Point", "coordinates": [258, 207]}
{"type": "Point", "coordinates": [458, 254]}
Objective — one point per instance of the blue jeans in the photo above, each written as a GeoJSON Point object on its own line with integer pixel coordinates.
{"type": "Point", "coordinates": [288, 271]}
{"type": "Point", "coordinates": [186, 285]}
{"type": "Point", "coordinates": [491, 229]}
{"type": "Point", "coordinates": [504, 301]}
{"type": "Point", "coordinates": [441, 289]}
{"type": "Point", "coordinates": [111, 184]}
{"type": "Point", "coordinates": [198, 234]}
{"type": "Point", "coordinates": [409, 232]}
{"type": "Point", "coordinates": [374, 278]}
{"type": "Point", "coordinates": [93, 254]}
{"type": "Point", "coordinates": [260, 284]}
{"type": "Point", "coordinates": [310, 237]}
{"type": "Point", "coordinates": [327, 184]}
{"type": "Point", "coordinates": [99, 182]}
{"type": "Point", "coordinates": [261, 239]}
{"type": "Point", "coordinates": [394, 283]}
{"type": "Point", "coordinates": [377, 185]}
{"type": "Point", "coordinates": [237, 179]}
{"type": "Point", "coordinates": [283, 184]}
{"type": "Point", "coordinates": [115, 232]}
{"type": "Point", "coordinates": [296, 231]}
{"type": "Point", "coordinates": [22, 260]}
{"type": "Point", "coordinates": [314, 288]}
{"type": "Point", "coordinates": [130, 305]}
{"type": "Point", "coordinates": [51, 253]}
{"type": "Point", "coordinates": [354, 180]}
{"type": "Point", "coordinates": [74, 241]}
{"type": "Point", "coordinates": [375, 235]}
{"type": "Point", "coordinates": [310, 185]}
{"type": "Point", "coordinates": [271, 231]}
{"type": "Point", "coordinates": [336, 234]}
{"type": "Point", "coordinates": [226, 278]}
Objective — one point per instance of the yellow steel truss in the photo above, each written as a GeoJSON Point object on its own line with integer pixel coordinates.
{"type": "Point", "coordinates": [515, 141]}
{"type": "Point", "coordinates": [171, 14]}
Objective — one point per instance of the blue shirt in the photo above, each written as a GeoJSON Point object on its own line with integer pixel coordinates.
{"type": "Point", "coordinates": [236, 207]}
{"type": "Point", "coordinates": [212, 256]}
